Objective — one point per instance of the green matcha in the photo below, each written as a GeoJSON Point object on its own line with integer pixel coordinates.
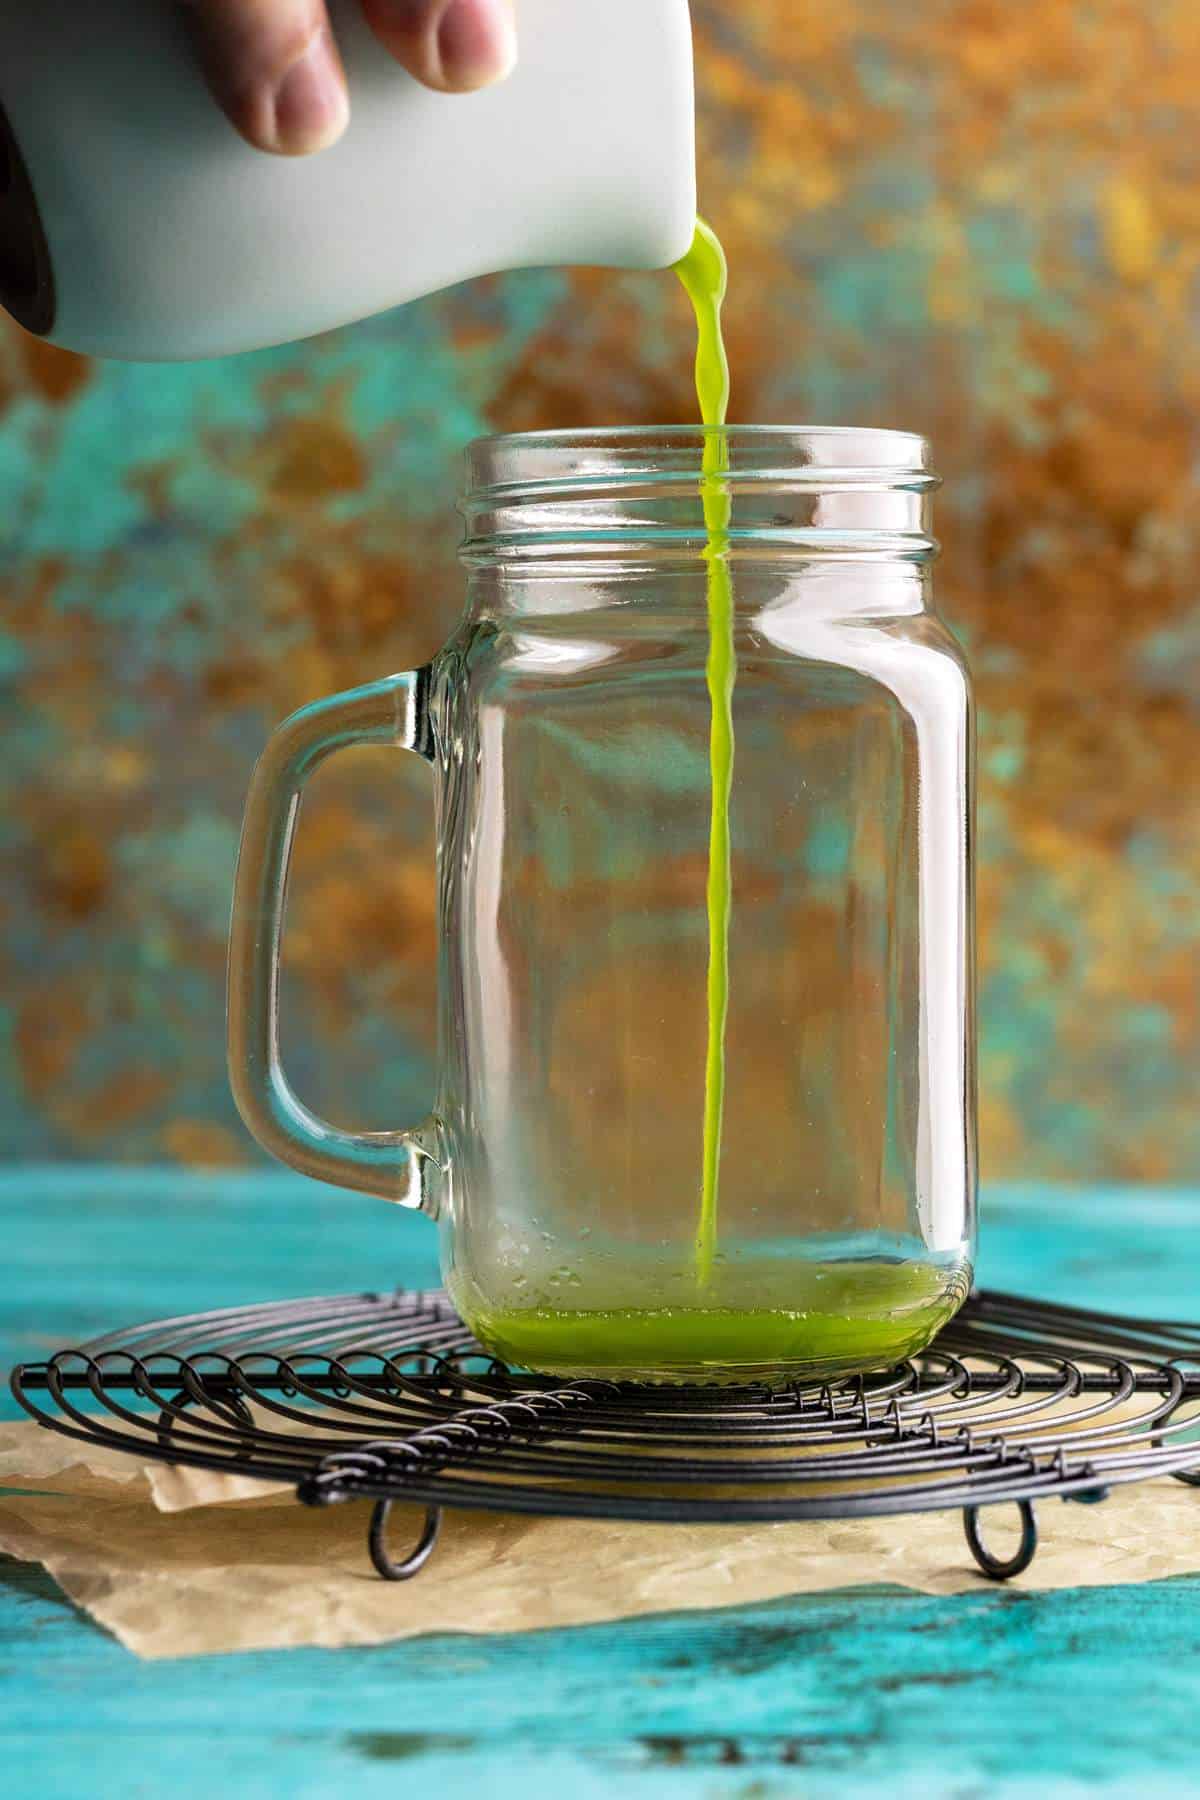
{"type": "Point", "coordinates": [839, 1317]}
{"type": "Point", "coordinates": [704, 274]}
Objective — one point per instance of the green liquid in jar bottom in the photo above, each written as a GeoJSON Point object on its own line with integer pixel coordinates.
{"type": "Point", "coordinates": [839, 1317]}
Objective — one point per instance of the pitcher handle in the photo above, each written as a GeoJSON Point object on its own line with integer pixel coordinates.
{"type": "Point", "coordinates": [393, 1164]}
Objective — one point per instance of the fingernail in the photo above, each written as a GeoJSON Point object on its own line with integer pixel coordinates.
{"type": "Point", "coordinates": [477, 42]}
{"type": "Point", "coordinates": [310, 105]}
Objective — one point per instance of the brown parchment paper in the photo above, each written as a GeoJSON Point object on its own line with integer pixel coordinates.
{"type": "Point", "coordinates": [178, 1562]}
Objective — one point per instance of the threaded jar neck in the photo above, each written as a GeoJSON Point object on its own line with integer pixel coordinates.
{"type": "Point", "coordinates": [794, 491]}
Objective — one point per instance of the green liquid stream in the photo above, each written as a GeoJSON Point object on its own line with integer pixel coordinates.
{"type": "Point", "coordinates": [704, 274]}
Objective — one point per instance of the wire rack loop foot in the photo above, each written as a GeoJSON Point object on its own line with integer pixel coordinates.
{"type": "Point", "coordinates": [1001, 1568]}
{"type": "Point", "coordinates": [414, 1562]}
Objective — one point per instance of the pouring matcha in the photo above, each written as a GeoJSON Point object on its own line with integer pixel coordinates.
{"type": "Point", "coordinates": [704, 274]}
{"type": "Point", "coordinates": [712, 1306]}
{"type": "Point", "coordinates": [820, 1312]}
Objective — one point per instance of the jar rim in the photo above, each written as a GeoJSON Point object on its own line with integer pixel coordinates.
{"type": "Point", "coordinates": [826, 455]}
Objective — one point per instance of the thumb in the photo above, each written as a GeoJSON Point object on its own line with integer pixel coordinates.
{"type": "Point", "coordinates": [455, 45]}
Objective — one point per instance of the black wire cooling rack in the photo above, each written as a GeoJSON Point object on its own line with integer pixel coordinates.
{"type": "Point", "coordinates": [387, 1397]}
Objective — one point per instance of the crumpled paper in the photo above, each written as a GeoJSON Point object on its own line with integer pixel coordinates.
{"type": "Point", "coordinates": [182, 1562]}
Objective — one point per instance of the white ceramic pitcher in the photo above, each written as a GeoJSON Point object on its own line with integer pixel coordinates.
{"type": "Point", "coordinates": [135, 223]}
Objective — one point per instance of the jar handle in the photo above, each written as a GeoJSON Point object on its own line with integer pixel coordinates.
{"type": "Point", "coordinates": [394, 1164]}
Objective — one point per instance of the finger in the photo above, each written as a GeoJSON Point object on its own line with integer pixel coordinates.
{"type": "Point", "coordinates": [274, 69]}
{"type": "Point", "coordinates": [455, 45]}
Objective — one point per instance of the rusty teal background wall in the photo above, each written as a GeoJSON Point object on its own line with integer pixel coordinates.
{"type": "Point", "coordinates": [974, 219]}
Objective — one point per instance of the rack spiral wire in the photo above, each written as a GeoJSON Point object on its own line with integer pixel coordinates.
{"type": "Point", "coordinates": [387, 1397]}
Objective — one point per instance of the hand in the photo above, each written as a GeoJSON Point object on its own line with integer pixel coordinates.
{"type": "Point", "coordinates": [274, 68]}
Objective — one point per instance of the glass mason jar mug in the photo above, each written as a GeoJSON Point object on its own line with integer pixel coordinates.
{"type": "Point", "coordinates": [568, 724]}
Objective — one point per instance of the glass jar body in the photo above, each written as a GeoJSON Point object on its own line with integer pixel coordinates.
{"type": "Point", "coordinates": [706, 1104]}
{"type": "Point", "coordinates": [572, 718]}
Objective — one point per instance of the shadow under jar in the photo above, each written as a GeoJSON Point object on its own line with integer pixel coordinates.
{"type": "Point", "coordinates": [568, 724]}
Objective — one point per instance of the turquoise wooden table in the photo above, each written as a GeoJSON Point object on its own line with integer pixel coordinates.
{"type": "Point", "coordinates": [993, 1693]}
